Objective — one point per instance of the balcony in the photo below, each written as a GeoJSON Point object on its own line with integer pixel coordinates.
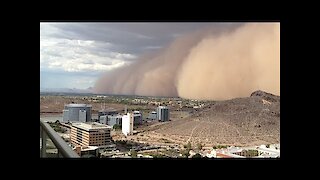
{"type": "Point", "coordinates": [52, 145]}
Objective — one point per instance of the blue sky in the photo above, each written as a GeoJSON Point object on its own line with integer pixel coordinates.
{"type": "Point", "coordinates": [74, 55]}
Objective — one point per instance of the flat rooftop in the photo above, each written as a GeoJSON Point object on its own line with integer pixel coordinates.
{"type": "Point", "coordinates": [78, 105]}
{"type": "Point", "coordinates": [90, 126]}
{"type": "Point", "coordinates": [108, 110]}
{"type": "Point", "coordinates": [89, 148]}
{"type": "Point", "coordinates": [163, 107]}
{"type": "Point", "coordinates": [275, 151]}
{"type": "Point", "coordinates": [116, 116]}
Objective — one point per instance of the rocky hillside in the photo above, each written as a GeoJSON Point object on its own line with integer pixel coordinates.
{"type": "Point", "coordinates": [242, 121]}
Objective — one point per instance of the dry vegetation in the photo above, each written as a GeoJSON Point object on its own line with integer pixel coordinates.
{"type": "Point", "coordinates": [241, 121]}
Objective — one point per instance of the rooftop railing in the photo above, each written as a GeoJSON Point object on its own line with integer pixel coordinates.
{"type": "Point", "coordinates": [52, 145]}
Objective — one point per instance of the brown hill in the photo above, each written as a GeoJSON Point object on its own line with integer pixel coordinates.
{"type": "Point", "coordinates": [242, 121]}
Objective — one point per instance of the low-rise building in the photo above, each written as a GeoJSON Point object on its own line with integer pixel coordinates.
{"type": "Point", "coordinates": [107, 112]}
{"type": "Point", "coordinates": [90, 134]}
{"type": "Point", "coordinates": [137, 117]}
{"type": "Point", "coordinates": [268, 152]}
{"type": "Point", "coordinates": [111, 120]}
{"type": "Point", "coordinates": [114, 119]}
{"type": "Point", "coordinates": [152, 115]}
{"type": "Point", "coordinates": [89, 151]}
{"type": "Point", "coordinates": [230, 152]}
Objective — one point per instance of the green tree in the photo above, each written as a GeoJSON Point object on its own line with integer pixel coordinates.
{"type": "Point", "coordinates": [188, 146]}
{"type": "Point", "coordinates": [158, 156]}
{"type": "Point", "coordinates": [200, 146]}
{"type": "Point", "coordinates": [268, 145]}
{"type": "Point", "coordinates": [133, 153]}
{"type": "Point", "coordinates": [117, 126]}
{"type": "Point", "coordinates": [185, 153]}
{"type": "Point", "coordinates": [197, 156]}
{"type": "Point", "coordinates": [252, 153]}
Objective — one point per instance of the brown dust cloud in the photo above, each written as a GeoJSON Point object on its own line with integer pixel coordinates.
{"type": "Point", "coordinates": [204, 65]}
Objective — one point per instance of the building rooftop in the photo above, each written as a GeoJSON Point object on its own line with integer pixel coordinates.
{"type": "Point", "coordinates": [163, 107]}
{"type": "Point", "coordinates": [90, 126]}
{"type": "Point", "coordinates": [108, 110]}
{"type": "Point", "coordinates": [229, 155]}
{"type": "Point", "coordinates": [221, 155]}
{"type": "Point", "coordinates": [269, 150]}
{"type": "Point", "coordinates": [268, 156]}
{"type": "Point", "coordinates": [234, 149]}
{"type": "Point", "coordinates": [89, 148]}
{"type": "Point", "coordinates": [78, 105]}
{"type": "Point", "coordinates": [114, 115]}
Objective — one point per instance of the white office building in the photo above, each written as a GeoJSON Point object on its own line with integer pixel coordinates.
{"type": "Point", "coordinates": [127, 124]}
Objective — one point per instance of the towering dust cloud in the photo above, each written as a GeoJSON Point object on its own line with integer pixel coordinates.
{"type": "Point", "coordinates": [205, 65]}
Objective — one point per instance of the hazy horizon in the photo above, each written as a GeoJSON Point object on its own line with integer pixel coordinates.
{"type": "Point", "coordinates": [190, 60]}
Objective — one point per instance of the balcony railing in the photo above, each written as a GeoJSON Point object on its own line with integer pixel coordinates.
{"type": "Point", "coordinates": [59, 147]}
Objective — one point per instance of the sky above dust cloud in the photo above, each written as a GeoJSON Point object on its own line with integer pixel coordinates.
{"type": "Point", "coordinates": [190, 60]}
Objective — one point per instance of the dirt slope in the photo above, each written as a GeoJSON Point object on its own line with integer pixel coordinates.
{"type": "Point", "coordinates": [242, 121]}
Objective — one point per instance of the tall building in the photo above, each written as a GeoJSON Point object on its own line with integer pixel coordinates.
{"type": "Point", "coordinates": [90, 134]}
{"type": "Point", "coordinates": [77, 113]}
{"type": "Point", "coordinates": [127, 124]}
{"type": "Point", "coordinates": [163, 113]}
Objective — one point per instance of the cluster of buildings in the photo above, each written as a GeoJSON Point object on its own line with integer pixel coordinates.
{"type": "Point", "coordinates": [82, 113]}
{"type": "Point", "coordinates": [161, 114]}
{"type": "Point", "coordinates": [112, 118]}
{"type": "Point", "coordinates": [88, 137]}
{"type": "Point", "coordinates": [273, 151]}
